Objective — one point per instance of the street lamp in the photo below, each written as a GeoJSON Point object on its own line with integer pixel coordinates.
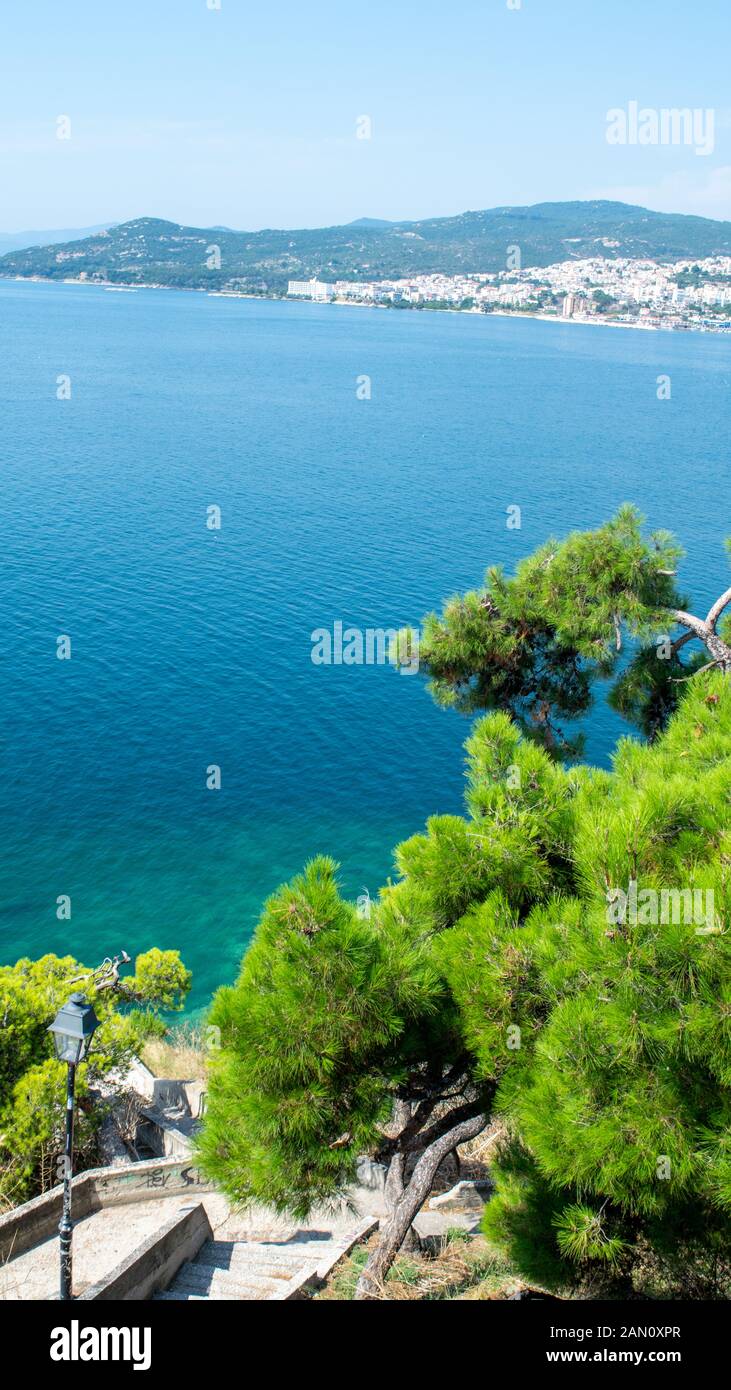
{"type": "Point", "coordinates": [73, 1029]}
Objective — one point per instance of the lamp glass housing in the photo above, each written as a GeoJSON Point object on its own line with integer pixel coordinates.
{"type": "Point", "coordinates": [73, 1029]}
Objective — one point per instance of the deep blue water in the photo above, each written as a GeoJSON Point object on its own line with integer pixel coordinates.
{"type": "Point", "coordinates": [192, 647]}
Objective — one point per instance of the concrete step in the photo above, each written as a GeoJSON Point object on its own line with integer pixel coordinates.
{"type": "Point", "coordinates": [252, 1248]}
{"type": "Point", "coordinates": [241, 1293]}
{"type": "Point", "coordinates": [245, 1274]}
{"type": "Point", "coordinates": [236, 1295]}
{"type": "Point", "coordinates": [293, 1250]}
{"type": "Point", "coordinates": [245, 1255]}
{"type": "Point", "coordinates": [216, 1283]}
{"type": "Point", "coordinates": [255, 1271]}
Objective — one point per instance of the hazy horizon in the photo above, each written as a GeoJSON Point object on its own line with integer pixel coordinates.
{"type": "Point", "coordinates": [217, 116]}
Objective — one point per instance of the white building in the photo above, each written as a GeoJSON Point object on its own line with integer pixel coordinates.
{"type": "Point", "coordinates": [310, 289]}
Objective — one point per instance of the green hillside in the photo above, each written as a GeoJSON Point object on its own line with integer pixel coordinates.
{"type": "Point", "coordinates": [151, 251]}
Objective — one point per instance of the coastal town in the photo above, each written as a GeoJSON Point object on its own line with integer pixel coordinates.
{"type": "Point", "coordinates": [691, 295]}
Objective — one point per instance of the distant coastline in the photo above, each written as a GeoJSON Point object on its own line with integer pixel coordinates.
{"type": "Point", "coordinates": [595, 261]}
{"type": "Point", "coordinates": [587, 322]}
{"type": "Point", "coordinates": [598, 262]}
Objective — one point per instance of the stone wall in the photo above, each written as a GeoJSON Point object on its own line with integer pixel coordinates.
{"type": "Point", "coordinates": [38, 1219]}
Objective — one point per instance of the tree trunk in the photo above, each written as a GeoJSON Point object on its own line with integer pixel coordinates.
{"type": "Point", "coordinates": [410, 1203]}
{"type": "Point", "coordinates": [394, 1191]}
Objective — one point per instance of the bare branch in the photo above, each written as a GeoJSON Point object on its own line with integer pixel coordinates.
{"type": "Point", "coordinates": [680, 680]}
{"type": "Point", "coordinates": [717, 610]}
{"type": "Point", "coordinates": [696, 625]}
{"type": "Point", "coordinates": [440, 1127]}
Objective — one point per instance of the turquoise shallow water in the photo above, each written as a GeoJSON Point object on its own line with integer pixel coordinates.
{"type": "Point", "coordinates": [191, 647]}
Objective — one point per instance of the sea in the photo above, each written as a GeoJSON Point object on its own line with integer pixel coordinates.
{"type": "Point", "coordinates": [170, 753]}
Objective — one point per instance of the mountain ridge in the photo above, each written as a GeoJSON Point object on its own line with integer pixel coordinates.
{"type": "Point", "coordinates": [156, 251]}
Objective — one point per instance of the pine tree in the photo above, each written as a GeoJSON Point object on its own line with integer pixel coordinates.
{"type": "Point", "coordinates": [534, 643]}
{"type": "Point", "coordinates": [345, 1035]}
{"type": "Point", "coordinates": [622, 1104]}
{"type": "Point", "coordinates": [521, 966]}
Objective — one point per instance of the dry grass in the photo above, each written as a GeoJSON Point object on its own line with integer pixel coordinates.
{"type": "Point", "coordinates": [455, 1269]}
{"type": "Point", "coordinates": [454, 1266]}
{"type": "Point", "coordinates": [180, 1056]}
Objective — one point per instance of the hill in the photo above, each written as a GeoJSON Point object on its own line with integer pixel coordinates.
{"type": "Point", "coordinates": [151, 251]}
{"type": "Point", "coordinates": [18, 241]}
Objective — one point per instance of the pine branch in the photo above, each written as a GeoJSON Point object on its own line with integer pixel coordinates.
{"type": "Point", "coordinates": [717, 609]}
{"type": "Point", "coordinates": [680, 680]}
{"type": "Point", "coordinates": [696, 625]}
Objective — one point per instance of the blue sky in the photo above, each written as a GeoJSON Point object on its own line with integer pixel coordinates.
{"type": "Point", "coordinates": [246, 115]}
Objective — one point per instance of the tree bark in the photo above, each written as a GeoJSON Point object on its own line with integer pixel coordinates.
{"type": "Point", "coordinates": [409, 1204]}
{"type": "Point", "coordinates": [717, 609]}
{"type": "Point", "coordinates": [394, 1191]}
{"type": "Point", "coordinates": [719, 650]}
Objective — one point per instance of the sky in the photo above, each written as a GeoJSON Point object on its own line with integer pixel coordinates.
{"type": "Point", "coordinates": [248, 115]}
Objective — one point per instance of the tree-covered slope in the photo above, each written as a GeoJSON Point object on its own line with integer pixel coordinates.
{"type": "Point", "coordinates": [151, 251]}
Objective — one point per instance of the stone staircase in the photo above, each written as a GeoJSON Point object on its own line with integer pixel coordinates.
{"type": "Point", "coordinates": [258, 1270]}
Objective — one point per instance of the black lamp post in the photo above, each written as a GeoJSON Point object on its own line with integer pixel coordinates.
{"type": "Point", "coordinates": [73, 1029]}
